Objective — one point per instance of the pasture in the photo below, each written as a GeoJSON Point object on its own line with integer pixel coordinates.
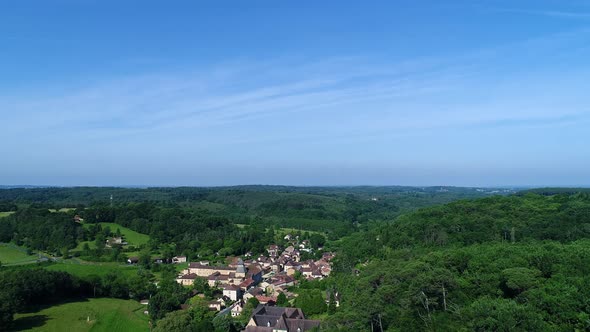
{"type": "Point", "coordinates": [132, 237]}
{"type": "Point", "coordinates": [84, 269]}
{"type": "Point", "coordinates": [11, 254]}
{"type": "Point", "coordinates": [62, 210]}
{"type": "Point", "coordinates": [80, 246]}
{"type": "Point", "coordinates": [96, 315]}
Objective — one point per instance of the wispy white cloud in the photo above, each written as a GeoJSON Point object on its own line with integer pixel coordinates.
{"type": "Point", "coordinates": [551, 13]}
{"type": "Point", "coordinates": [155, 101]}
{"type": "Point", "coordinates": [341, 98]}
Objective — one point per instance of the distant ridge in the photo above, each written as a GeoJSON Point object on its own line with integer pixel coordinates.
{"type": "Point", "coordinates": [549, 191]}
{"type": "Point", "coordinates": [25, 186]}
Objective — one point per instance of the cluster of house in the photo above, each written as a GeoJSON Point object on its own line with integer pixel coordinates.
{"type": "Point", "coordinates": [288, 261]}
{"type": "Point", "coordinates": [264, 277]}
{"type": "Point", "coordinates": [233, 279]}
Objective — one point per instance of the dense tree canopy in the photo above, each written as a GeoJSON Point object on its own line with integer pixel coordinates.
{"type": "Point", "coordinates": [452, 268]}
{"type": "Point", "coordinates": [502, 263]}
{"type": "Point", "coordinates": [40, 229]}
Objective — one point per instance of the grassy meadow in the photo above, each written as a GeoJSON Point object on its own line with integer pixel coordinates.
{"type": "Point", "coordinates": [80, 246]}
{"type": "Point", "coordinates": [6, 214]}
{"type": "Point", "coordinates": [83, 269]}
{"type": "Point", "coordinates": [132, 237]}
{"type": "Point", "coordinates": [62, 210]}
{"type": "Point", "coordinates": [96, 315]}
{"type": "Point", "coordinates": [11, 254]}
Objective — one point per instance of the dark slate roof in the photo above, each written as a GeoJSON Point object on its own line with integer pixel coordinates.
{"type": "Point", "coordinates": [295, 324]}
{"type": "Point", "coordinates": [241, 268]}
{"type": "Point", "coordinates": [268, 318]}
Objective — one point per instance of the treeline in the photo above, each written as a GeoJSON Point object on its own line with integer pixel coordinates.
{"type": "Point", "coordinates": [334, 210]}
{"type": "Point", "coordinates": [484, 287]}
{"type": "Point", "coordinates": [548, 191]}
{"type": "Point", "coordinates": [73, 196]}
{"type": "Point", "coordinates": [20, 291]}
{"type": "Point", "coordinates": [513, 218]}
{"type": "Point", "coordinates": [40, 229]}
{"type": "Point", "coordinates": [203, 222]}
{"type": "Point", "coordinates": [190, 230]}
{"type": "Point", "coordinates": [173, 231]}
{"type": "Point", "coordinates": [27, 287]}
{"type": "Point", "coordinates": [7, 207]}
{"type": "Point", "coordinates": [519, 263]}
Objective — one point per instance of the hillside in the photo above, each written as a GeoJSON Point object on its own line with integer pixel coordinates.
{"type": "Point", "coordinates": [517, 263]}
{"type": "Point", "coordinates": [403, 263]}
{"type": "Point", "coordinates": [244, 196]}
{"type": "Point", "coordinates": [88, 315]}
{"type": "Point", "coordinates": [312, 208]}
{"type": "Point", "coordinates": [132, 237]}
{"type": "Point", "coordinates": [529, 217]}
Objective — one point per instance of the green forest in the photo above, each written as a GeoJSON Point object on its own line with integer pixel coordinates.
{"type": "Point", "coordinates": [422, 260]}
{"type": "Point", "coordinates": [517, 263]}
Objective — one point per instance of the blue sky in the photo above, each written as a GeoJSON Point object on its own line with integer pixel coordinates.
{"type": "Point", "coordinates": [467, 93]}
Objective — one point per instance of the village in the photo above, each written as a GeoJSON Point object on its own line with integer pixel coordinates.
{"type": "Point", "coordinates": [263, 277]}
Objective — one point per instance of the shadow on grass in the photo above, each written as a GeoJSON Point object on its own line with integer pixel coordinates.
{"type": "Point", "coordinates": [36, 308]}
{"type": "Point", "coordinates": [29, 322]}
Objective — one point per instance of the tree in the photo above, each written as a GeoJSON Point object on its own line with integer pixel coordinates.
{"type": "Point", "coordinates": [311, 302]}
{"type": "Point", "coordinates": [116, 254]}
{"type": "Point", "coordinates": [282, 300]}
{"type": "Point", "coordinates": [145, 258]}
{"type": "Point", "coordinates": [141, 287]}
{"type": "Point", "coordinates": [248, 309]}
{"type": "Point", "coordinates": [100, 241]}
{"type": "Point", "coordinates": [176, 321]}
{"type": "Point", "coordinates": [161, 304]}
{"type": "Point", "coordinates": [115, 284]}
{"type": "Point", "coordinates": [224, 323]}
{"type": "Point", "coordinates": [7, 310]}
{"type": "Point", "coordinates": [489, 314]}
{"type": "Point", "coordinates": [202, 286]}
{"type": "Point", "coordinates": [332, 303]}
{"type": "Point", "coordinates": [168, 298]}
{"type": "Point", "coordinates": [95, 283]}
{"type": "Point", "coordinates": [253, 302]}
{"type": "Point", "coordinates": [517, 280]}
{"type": "Point", "coordinates": [167, 253]}
{"type": "Point", "coordinates": [86, 249]}
{"type": "Point", "coordinates": [202, 316]}
{"type": "Point", "coordinates": [196, 319]}
{"type": "Point", "coordinates": [317, 240]}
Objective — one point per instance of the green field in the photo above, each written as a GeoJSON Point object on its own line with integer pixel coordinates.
{"type": "Point", "coordinates": [132, 237]}
{"type": "Point", "coordinates": [86, 269]}
{"type": "Point", "coordinates": [11, 254]}
{"type": "Point", "coordinates": [6, 214]}
{"type": "Point", "coordinates": [91, 245]}
{"type": "Point", "coordinates": [94, 315]}
{"type": "Point", "coordinates": [62, 210]}
{"type": "Point", "coordinates": [285, 231]}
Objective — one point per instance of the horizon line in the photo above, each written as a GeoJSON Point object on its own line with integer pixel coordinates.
{"type": "Point", "coordinates": [146, 186]}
